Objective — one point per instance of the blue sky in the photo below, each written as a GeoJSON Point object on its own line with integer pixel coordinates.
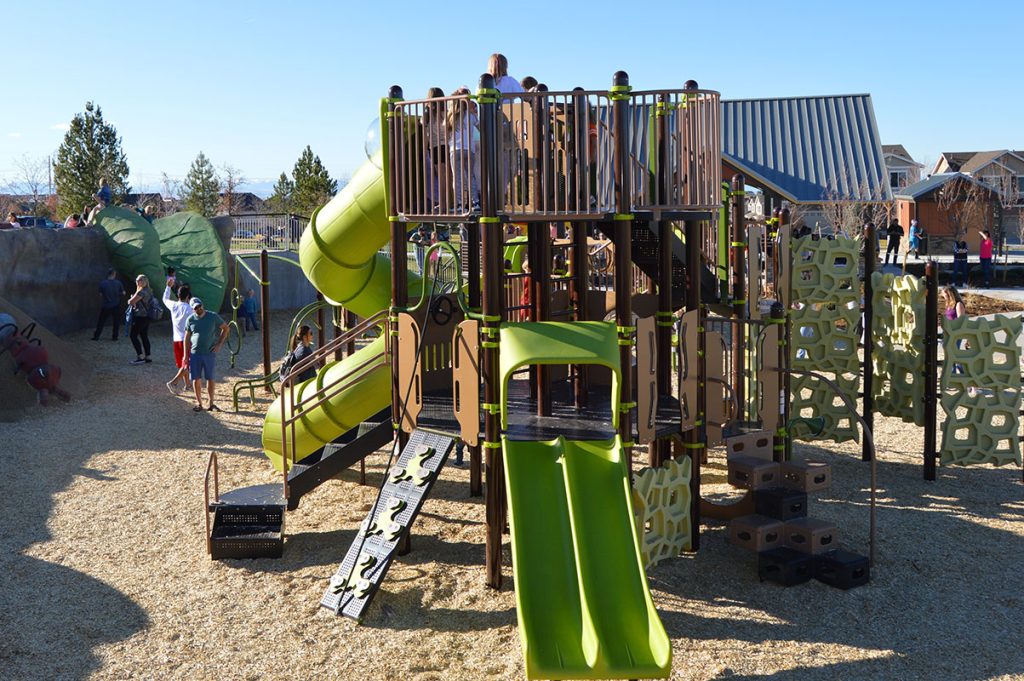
{"type": "Point", "coordinates": [252, 83]}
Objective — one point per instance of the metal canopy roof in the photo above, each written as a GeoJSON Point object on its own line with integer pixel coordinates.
{"type": "Point", "coordinates": [808, 149]}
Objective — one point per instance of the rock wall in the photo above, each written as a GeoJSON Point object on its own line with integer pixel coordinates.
{"type": "Point", "coordinates": [53, 275]}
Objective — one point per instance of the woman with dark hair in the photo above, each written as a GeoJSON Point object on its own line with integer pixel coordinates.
{"type": "Point", "coordinates": [141, 302]}
{"type": "Point", "coordinates": [435, 131]}
{"type": "Point", "coordinates": [302, 347]}
{"type": "Point", "coordinates": [985, 256]}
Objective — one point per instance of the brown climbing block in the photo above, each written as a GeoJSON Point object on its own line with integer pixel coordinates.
{"type": "Point", "coordinates": [806, 476]}
{"type": "Point", "coordinates": [756, 532]}
{"type": "Point", "coordinates": [747, 472]}
{"type": "Point", "coordinates": [811, 535]}
{"type": "Point", "coordinates": [756, 445]}
{"type": "Point", "coordinates": [780, 503]}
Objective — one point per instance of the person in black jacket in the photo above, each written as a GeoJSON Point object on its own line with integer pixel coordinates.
{"type": "Point", "coordinates": [895, 233]}
{"type": "Point", "coordinates": [960, 251]}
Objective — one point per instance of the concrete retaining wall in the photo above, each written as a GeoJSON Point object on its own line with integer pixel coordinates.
{"type": "Point", "coordinates": [289, 288]}
{"type": "Point", "coordinates": [53, 275]}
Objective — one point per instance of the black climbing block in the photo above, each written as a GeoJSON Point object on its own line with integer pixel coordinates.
{"type": "Point", "coordinates": [842, 569]}
{"type": "Point", "coordinates": [780, 503]}
{"type": "Point", "coordinates": [784, 566]}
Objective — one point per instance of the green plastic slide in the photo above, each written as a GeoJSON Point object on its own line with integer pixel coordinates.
{"type": "Point", "coordinates": [190, 244]}
{"type": "Point", "coordinates": [338, 253]}
{"type": "Point", "coordinates": [582, 600]}
{"type": "Point", "coordinates": [132, 243]}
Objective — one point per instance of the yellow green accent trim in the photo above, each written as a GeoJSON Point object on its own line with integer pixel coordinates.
{"type": "Point", "coordinates": [622, 217]}
{"type": "Point", "coordinates": [491, 445]}
{"type": "Point", "coordinates": [489, 220]}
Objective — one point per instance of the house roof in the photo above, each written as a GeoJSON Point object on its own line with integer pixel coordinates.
{"type": "Point", "coordinates": [900, 152]}
{"type": "Point", "coordinates": [807, 149]}
{"type": "Point", "coordinates": [973, 161]}
{"type": "Point", "coordinates": [924, 187]}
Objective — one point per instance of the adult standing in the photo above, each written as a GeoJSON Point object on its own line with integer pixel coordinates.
{"type": "Point", "coordinates": [205, 333]}
{"type": "Point", "coordinates": [176, 302]}
{"type": "Point", "coordinates": [497, 66]}
{"type": "Point", "coordinates": [895, 233]}
{"type": "Point", "coordinates": [960, 252]}
{"type": "Point", "coordinates": [915, 239]}
{"type": "Point", "coordinates": [985, 255]}
{"type": "Point", "coordinates": [141, 303]}
{"type": "Point", "coordinates": [111, 294]}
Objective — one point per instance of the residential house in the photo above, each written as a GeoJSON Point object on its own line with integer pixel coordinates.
{"type": "Point", "coordinates": [903, 169]}
{"type": "Point", "coordinates": [1002, 169]}
{"type": "Point", "coordinates": [947, 204]}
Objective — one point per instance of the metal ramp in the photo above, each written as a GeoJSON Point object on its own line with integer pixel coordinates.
{"type": "Point", "coordinates": [408, 485]}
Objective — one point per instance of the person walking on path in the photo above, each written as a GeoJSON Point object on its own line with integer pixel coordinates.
{"type": "Point", "coordinates": [960, 251]}
{"type": "Point", "coordinates": [111, 294]}
{"type": "Point", "coordinates": [177, 304]}
{"type": "Point", "coordinates": [141, 302]}
{"type": "Point", "coordinates": [249, 310]}
{"type": "Point", "coordinates": [915, 239]}
{"type": "Point", "coordinates": [985, 255]}
{"type": "Point", "coordinates": [205, 333]}
{"type": "Point", "coordinates": [895, 233]}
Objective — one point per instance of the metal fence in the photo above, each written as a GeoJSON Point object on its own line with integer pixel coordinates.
{"type": "Point", "coordinates": [272, 231]}
{"type": "Point", "coordinates": [555, 154]}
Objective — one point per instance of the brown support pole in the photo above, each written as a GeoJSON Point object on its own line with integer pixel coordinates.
{"type": "Point", "coordinates": [265, 312]}
{"type": "Point", "coordinates": [869, 344]}
{"type": "Point", "coordinates": [476, 486]}
{"type": "Point", "coordinates": [660, 451]}
{"type": "Point", "coordinates": [493, 304]}
{"type": "Point", "coordinates": [931, 367]}
{"type": "Point", "coordinates": [786, 378]}
{"type": "Point", "coordinates": [778, 316]}
{"type": "Point", "coordinates": [579, 284]}
{"type": "Point", "coordinates": [738, 251]}
{"type": "Point", "coordinates": [540, 278]}
{"type": "Point", "coordinates": [399, 277]}
{"type": "Point", "coordinates": [321, 323]}
{"type": "Point", "coordinates": [623, 253]}
{"type": "Point", "coordinates": [695, 439]}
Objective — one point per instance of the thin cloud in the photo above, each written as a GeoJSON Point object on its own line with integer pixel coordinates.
{"type": "Point", "coordinates": [14, 135]}
{"type": "Point", "coordinates": [63, 127]}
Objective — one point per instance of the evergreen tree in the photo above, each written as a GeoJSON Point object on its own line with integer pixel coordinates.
{"type": "Point", "coordinates": [201, 188]}
{"type": "Point", "coordinates": [313, 186]}
{"type": "Point", "coordinates": [91, 150]}
{"type": "Point", "coordinates": [281, 199]}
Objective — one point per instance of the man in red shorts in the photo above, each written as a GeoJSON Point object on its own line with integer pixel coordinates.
{"type": "Point", "coordinates": [177, 305]}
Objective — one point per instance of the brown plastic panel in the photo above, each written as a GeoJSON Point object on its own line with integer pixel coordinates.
{"type": "Point", "coordinates": [646, 378]}
{"type": "Point", "coordinates": [718, 407]}
{"type": "Point", "coordinates": [757, 445]}
{"type": "Point", "coordinates": [466, 380]}
{"type": "Point", "coordinates": [409, 371]}
{"type": "Point", "coordinates": [769, 381]}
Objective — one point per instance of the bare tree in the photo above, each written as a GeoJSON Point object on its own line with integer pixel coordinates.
{"type": "Point", "coordinates": [848, 216]}
{"type": "Point", "coordinates": [171, 192]}
{"type": "Point", "coordinates": [232, 178]}
{"type": "Point", "coordinates": [966, 204]}
{"type": "Point", "coordinates": [32, 179]}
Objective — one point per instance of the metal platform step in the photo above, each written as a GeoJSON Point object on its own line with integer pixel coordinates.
{"type": "Point", "coordinates": [407, 486]}
{"type": "Point", "coordinates": [248, 523]}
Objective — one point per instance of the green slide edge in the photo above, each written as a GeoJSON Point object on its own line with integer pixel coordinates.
{"type": "Point", "coordinates": [584, 613]}
{"type": "Point", "coordinates": [132, 243]}
{"type": "Point", "coordinates": [190, 244]}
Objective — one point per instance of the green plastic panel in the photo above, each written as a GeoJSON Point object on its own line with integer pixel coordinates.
{"type": "Point", "coordinates": [897, 331]}
{"type": "Point", "coordinates": [190, 244]}
{"type": "Point", "coordinates": [527, 343]}
{"type": "Point", "coordinates": [583, 603]}
{"type": "Point", "coordinates": [661, 499]}
{"type": "Point", "coordinates": [132, 243]}
{"type": "Point", "coordinates": [824, 335]}
{"type": "Point", "coordinates": [982, 403]}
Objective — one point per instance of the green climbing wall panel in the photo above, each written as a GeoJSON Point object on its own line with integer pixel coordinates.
{"type": "Point", "coordinates": [981, 391]}
{"type": "Point", "coordinates": [897, 334]}
{"type": "Point", "coordinates": [824, 334]}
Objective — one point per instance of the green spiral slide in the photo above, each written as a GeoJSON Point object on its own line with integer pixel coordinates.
{"type": "Point", "coordinates": [338, 254]}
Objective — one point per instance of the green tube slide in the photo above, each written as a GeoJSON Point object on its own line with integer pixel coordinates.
{"type": "Point", "coordinates": [582, 600]}
{"type": "Point", "coordinates": [132, 243]}
{"type": "Point", "coordinates": [338, 254]}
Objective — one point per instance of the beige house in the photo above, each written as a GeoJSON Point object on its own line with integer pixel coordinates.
{"type": "Point", "coordinates": [903, 169]}
{"type": "Point", "coordinates": [1003, 170]}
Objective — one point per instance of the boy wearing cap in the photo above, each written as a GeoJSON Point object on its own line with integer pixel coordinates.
{"type": "Point", "coordinates": [205, 333]}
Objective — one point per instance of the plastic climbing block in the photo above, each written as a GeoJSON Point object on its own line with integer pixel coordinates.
{"type": "Point", "coordinates": [982, 403]}
{"type": "Point", "coordinates": [661, 502]}
{"type": "Point", "coordinates": [897, 335]}
{"type": "Point", "coordinates": [812, 399]}
{"type": "Point", "coordinates": [824, 334]}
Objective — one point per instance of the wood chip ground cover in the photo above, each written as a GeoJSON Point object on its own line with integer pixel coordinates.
{"type": "Point", "coordinates": [105, 574]}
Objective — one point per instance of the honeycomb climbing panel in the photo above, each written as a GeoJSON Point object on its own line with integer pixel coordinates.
{"type": "Point", "coordinates": [981, 391]}
{"type": "Point", "coordinates": [661, 502]}
{"type": "Point", "coordinates": [812, 399]}
{"type": "Point", "coordinates": [897, 335]}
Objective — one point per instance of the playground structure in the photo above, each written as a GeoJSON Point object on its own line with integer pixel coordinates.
{"type": "Point", "coordinates": [647, 330]}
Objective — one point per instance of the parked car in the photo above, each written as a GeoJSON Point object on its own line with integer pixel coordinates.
{"type": "Point", "coordinates": [32, 221]}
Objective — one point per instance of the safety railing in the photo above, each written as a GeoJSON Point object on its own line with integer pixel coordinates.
{"type": "Point", "coordinates": [272, 231]}
{"type": "Point", "coordinates": [211, 469]}
{"type": "Point", "coordinates": [555, 154]}
{"type": "Point", "coordinates": [326, 392]}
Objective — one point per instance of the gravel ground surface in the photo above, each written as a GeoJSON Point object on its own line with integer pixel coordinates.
{"type": "Point", "coordinates": [105, 573]}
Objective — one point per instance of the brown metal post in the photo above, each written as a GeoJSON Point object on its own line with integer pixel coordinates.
{"type": "Point", "coordinates": [623, 251]}
{"type": "Point", "coordinates": [869, 345]}
{"type": "Point", "coordinates": [338, 324]}
{"type": "Point", "coordinates": [695, 439]}
{"type": "Point", "coordinates": [321, 323]}
{"type": "Point", "coordinates": [265, 312]}
{"type": "Point", "coordinates": [778, 316]}
{"type": "Point", "coordinates": [493, 310]}
{"type": "Point", "coordinates": [476, 488]}
{"type": "Point", "coordinates": [787, 381]}
{"type": "Point", "coordinates": [540, 279]}
{"type": "Point", "coordinates": [738, 250]}
{"type": "Point", "coordinates": [931, 367]}
{"type": "Point", "coordinates": [579, 285]}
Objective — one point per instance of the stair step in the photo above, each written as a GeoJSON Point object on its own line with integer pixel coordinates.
{"type": "Point", "coordinates": [246, 541]}
{"type": "Point", "coordinates": [248, 523]}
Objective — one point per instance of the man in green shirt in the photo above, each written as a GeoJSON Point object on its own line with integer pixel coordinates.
{"type": "Point", "coordinates": [205, 333]}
